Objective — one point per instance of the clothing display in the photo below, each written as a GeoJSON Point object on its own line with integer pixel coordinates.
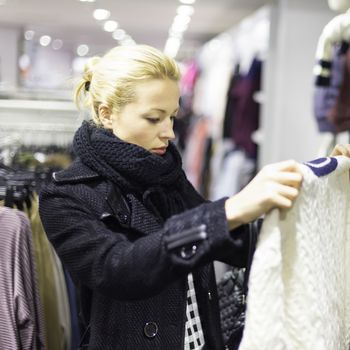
{"type": "Point", "coordinates": [299, 296]}
{"type": "Point", "coordinates": [331, 94]}
{"type": "Point", "coordinates": [38, 265]}
{"type": "Point", "coordinates": [51, 287]}
{"type": "Point", "coordinates": [325, 96]}
{"type": "Point", "coordinates": [123, 168]}
{"type": "Point", "coordinates": [21, 321]}
{"type": "Point", "coordinates": [334, 32]}
{"type": "Point", "coordinates": [339, 113]}
{"type": "Point", "coordinates": [245, 110]}
{"type": "Point", "coordinates": [236, 170]}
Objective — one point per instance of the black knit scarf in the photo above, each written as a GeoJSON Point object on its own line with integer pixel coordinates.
{"type": "Point", "coordinates": [157, 180]}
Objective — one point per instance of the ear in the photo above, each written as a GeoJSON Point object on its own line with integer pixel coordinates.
{"type": "Point", "coordinates": [105, 116]}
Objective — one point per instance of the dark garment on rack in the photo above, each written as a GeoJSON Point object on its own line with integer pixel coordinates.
{"type": "Point", "coordinates": [246, 111]}
{"type": "Point", "coordinates": [73, 307]}
{"type": "Point", "coordinates": [230, 105]}
{"type": "Point", "coordinates": [339, 113]}
{"type": "Point", "coordinates": [325, 95]}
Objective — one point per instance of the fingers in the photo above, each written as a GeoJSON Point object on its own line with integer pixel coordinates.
{"type": "Point", "coordinates": [282, 202]}
{"type": "Point", "coordinates": [287, 191]}
{"type": "Point", "coordinates": [286, 165]}
{"type": "Point", "coordinates": [341, 150]}
{"type": "Point", "coordinates": [293, 179]}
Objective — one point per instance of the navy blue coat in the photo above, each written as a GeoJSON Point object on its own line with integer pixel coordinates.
{"type": "Point", "coordinates": [130, 269]}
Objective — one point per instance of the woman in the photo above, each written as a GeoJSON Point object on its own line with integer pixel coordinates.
{"type": "Point", "coordinates": [138, 240]}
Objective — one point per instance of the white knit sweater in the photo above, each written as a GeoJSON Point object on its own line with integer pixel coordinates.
{"type": "Point", "coordinates": [299, 287]}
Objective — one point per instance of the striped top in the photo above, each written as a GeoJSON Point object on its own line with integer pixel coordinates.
{"type": "Point", "coordinates": [21, 320]}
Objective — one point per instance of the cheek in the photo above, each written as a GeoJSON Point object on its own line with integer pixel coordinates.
{"type": "Point", "coordinates": [143, 136]}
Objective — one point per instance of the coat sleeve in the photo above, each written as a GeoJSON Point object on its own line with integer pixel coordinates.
{"type": "Point", "coordinates": [107, 262]}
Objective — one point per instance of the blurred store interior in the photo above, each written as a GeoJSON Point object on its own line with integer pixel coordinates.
{"type": "Point", "coordinates": [44, 44]}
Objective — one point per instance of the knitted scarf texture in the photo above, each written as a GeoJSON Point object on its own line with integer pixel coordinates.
{"type": "Point", "coordinates": [157, 180]}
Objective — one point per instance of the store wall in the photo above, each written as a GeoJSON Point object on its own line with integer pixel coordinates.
{"type": "Point", "coordinates": [9, 40]}
{"type": "Point", "coordinates": [288, 126]}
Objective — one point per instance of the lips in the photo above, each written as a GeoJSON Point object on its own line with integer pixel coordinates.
{"type": "Point", "coordinates": [160, 151]}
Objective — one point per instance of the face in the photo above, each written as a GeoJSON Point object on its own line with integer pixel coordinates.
{"type": "Point", "coordinates": [148, 121]}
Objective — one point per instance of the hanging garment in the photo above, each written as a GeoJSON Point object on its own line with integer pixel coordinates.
{"type": "Point", "coordinates": [336, 31]}
{"type": "Point", "coordinates": [325, 96]}
{"type": "Point", "coordinates": [246, 110]}
{"type": "Point", "coordinates": [236, 171]}
{"type": "Point", "coordinates": [299, 286]}
{"type": "Point", "coordinates": [339, 114]}
{"type": "Point", "coordinates": [21, 320]}
{"type": "Point", "coordinates": [49, 288]}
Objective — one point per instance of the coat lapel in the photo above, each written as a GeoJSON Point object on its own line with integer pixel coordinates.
{"type": "Point", "coordinates": [142, 219]}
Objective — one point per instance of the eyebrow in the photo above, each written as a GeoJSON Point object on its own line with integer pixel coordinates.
{"type": "Point", "coordinates": [162, 110]}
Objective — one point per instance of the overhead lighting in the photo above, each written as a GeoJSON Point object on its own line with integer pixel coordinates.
{"type": "Point", "coordinates": [24, 62]}
{"type": "Point", "coordinates": [87, 0]}
{"type": "Point", "coordinates": [187, 2]}
{"type": "Point", "coordinates": [119, 34]}
{"type": "Point", "coordinates": [101, 14]}
{"type": "Point", "coordinates": [45, 40]}
{"type": "Point", "coordinates": [128, 40]}
{"type": "Point", "coordinates": [110, 26]}
{"type": "Point", "coordinates": [175, 34]}
{"type": "Point", "coordinates": [182, 19]}
{"type": "Point", "coordinates": [185, 10]}
{"type": "Point", "coordinates": [57, 44]}
{"type": "Point", "coordinates": [179, 27]}
{"type": "Point", "coordinates": [172, 46]}
{"type": "Point", "coordinates": [82, 50]}
{"type": "Point", "coordinates": [29, 34]}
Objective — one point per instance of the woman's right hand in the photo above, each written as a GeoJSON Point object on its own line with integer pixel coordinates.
{"type": "Point", "coordinates": [275, 186]}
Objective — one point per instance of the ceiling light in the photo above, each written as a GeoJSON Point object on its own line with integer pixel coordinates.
{"type": "Point", "coordinates": [45, 40]}
{"type": "Point", "coordinates": [101, 14]}
{"type": "Point", "coordinates": [175, 34]}
{"type": "Point", "coordinates": [182, 19]}
{"type": "Point", "coordinates": [185, 10]}
{"type": "Point", "coordinates": [119, 34]}
{"type": "Point", "coordinates": [24, 62]}
{"type": "Point", "coordinates": [187, 2]}
{"type": "Point", "coordinates": [57, 44]}
{"type": "Point", "coordinates": [110, 26]}
{"type": "Point", "coordinates": [172, 46]}
{"type": "Point", "coordinates": [87, 0]}
{"type": "Point", "coordinates": [82, 50]}
{"type": "Point", "coordinates": [179, 27]}
{"type": "Point", "coordinates": [29, 34]}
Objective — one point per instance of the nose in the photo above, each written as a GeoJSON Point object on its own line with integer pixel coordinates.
{"type": "Point", "coordinates": [167, 131]}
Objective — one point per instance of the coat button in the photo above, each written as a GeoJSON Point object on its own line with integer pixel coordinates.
{"type": "Point", "coordinates": [123, 218]}
{"type": "Point", "coordinates": [188, 252]}
{"type": "Point", "coordinates": [150, 329]}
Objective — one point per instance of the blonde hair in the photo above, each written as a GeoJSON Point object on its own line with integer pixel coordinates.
{"type": "Point", "coordinates": [111, 79]}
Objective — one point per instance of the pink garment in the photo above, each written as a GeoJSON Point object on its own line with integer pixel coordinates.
{"type": "Point", "coordinates": [189, 77]}
{"type": "Point", "coordinates": [195, 151]}
{"type": "Point", "coordinates": [21, 317]}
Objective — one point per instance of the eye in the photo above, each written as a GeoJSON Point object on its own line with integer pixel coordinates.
{"type": "Point", "coordinates": [153, 120]}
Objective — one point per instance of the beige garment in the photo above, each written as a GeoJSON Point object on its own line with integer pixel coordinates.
{"type": "Point", "coordinates": [52, 286]}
